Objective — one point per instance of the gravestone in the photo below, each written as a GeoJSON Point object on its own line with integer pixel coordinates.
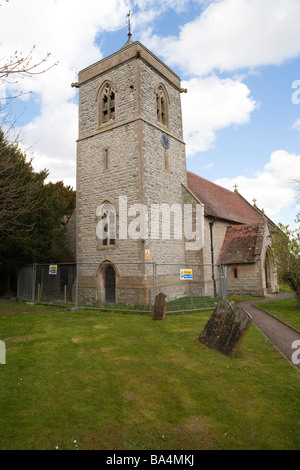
{"type": "Point", "coordinates": [226, 328]}
{"type": "Point", "coordinates": [160, 307]}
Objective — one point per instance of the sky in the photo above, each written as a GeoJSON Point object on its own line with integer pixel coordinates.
{"type": "Point", "coordinates": [238, 59]}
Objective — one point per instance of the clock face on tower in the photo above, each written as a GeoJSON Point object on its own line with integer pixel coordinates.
{"type": "Point", "coordinates": [165, 141]}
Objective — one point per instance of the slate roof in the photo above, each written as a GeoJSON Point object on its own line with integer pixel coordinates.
{"type": "Point", "coordinates": [242, 244]}
{"type": "Point", "coordinates": [222, 203]}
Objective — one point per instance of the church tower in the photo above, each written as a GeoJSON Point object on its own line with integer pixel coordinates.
{"type": "Point", "coordinates": [130, 154]}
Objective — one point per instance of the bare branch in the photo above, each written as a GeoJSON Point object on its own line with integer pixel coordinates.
{"type": "Point", "coordinates": [20, 66]}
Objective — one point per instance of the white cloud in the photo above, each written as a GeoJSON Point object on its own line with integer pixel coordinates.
{"type": "Point", "coordinates": [234, 34]}
{"type": "Point", "coordinates": [212, 104]}
{"type": "Point", "coordinates": [52, 136]}
{"type": "Point", "coordinates": [296, 125]}
{"type": "Point", "coordinates": [274, 186]}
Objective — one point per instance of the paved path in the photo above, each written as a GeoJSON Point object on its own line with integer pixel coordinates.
{"type": "Point", "coordinates": [281, 335]}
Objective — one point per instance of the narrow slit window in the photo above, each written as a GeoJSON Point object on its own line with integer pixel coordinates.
{"type": "Point", "coordinates": [106, 159]}
{"type": "Point", "coordinates": [166, 160]}
{"type": "Point", "coordinates": [162, 106]}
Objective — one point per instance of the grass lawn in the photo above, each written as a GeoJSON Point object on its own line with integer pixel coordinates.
{"type": "Point", "coordinates": [114, 381]}
{"type": "Point", "coordinates": [287, 310]}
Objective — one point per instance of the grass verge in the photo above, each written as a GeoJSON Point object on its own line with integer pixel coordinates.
{"type": "Point", "coordinates": [287, 310]}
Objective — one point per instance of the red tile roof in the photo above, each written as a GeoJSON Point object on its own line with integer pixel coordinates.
{"type": "Point", "coordinates": [222, 203]}
{"type": "Point", "coordinates": [242, 244]}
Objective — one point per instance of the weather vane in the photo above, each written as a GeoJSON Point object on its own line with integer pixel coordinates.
{"type": "Point", "coordinates": [129, 23]}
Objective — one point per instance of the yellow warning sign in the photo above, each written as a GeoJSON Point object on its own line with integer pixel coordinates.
{"type": "Point", "coordinates": [147, 254]}
{"type": "Point", "coordinates": [53, 269]}
{"type": "Point", "coordinates": [186, 274]}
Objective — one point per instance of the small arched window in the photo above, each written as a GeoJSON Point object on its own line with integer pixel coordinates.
{"type": "Point", "coordinates": [107, 103]}
{"type": "Point", "coordinates": [106, 228]}
{"type": "Point", "coordinates": [162, 105]}
{"type": "Point", "coordinates": [235, 273]}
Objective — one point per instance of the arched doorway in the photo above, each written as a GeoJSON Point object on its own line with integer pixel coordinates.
{"type": "Point", "coordinates": [110, 284]}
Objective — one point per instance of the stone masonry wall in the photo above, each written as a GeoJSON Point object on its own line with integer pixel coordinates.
{"type": "Point", "coordinates": [248, 280]}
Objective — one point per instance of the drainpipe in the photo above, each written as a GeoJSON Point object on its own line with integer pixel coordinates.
{"type": "Point", "coordinates": [211, 224]}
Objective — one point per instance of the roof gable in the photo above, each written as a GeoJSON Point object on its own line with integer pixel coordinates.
{"type": "Point", "coordinates": [242, 244]}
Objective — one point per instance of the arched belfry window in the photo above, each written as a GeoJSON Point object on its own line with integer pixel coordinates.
{"type": "Point", "coordinates": [162, 105]}
{"type": "Point", "coordinates": [107, 103]}
{"type": "Point", "coordinates": [106, 228]}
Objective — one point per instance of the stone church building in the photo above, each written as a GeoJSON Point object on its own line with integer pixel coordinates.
{"type": "Point", "coordinates": [131, 175]}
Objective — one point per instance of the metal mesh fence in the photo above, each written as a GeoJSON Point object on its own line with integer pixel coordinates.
{"type": "Point", "coordinates": [54, 283]}
{"type": "Point", "coordinates": [189, 286]}
{"type": "Point", "coordinates": [47, 283]}
{"type": "Point", "coordinates": [25, 283]}
{"type": "Point", "coordinates": [124, 286]}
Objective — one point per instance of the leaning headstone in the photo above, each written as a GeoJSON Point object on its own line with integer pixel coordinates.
{"type": "Point", "coordinates": [160, 307]}
{"type": "Point", "coordinates": [226, 328]}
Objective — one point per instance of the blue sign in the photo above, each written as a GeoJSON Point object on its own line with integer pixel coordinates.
{"type": "Point", "coordinates": [186, 274]}
{"type": "Point", "coordinates": [53, 269]}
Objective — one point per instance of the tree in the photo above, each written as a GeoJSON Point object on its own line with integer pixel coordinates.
{"type": "Point", "coordinates": [19, 188]}
{"type": "Point", "coordinates": [32, 213]}
{"type": "Point", "coordinates": [46, 241]}
{"type": "Point", "coordinates": [18, 182]}
{"type": "Point", "coordinates": [286, 252]}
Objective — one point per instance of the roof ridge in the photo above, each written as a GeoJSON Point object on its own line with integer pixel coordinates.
{"type": "Point", "coordinates": [225, 204]}
{"type": "Point", "coordinates": [261, 212]}
{"type": "Point", "coordinates": [211, 182]}
{"type": "Point", "coordinates": [249, 204]}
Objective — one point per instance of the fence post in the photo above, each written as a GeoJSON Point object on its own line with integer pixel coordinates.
{"type": "Point", "coordinates": [33, 282]}
{"type": "Point", "coordinates": [191, 295]}
{"type": "Point", "coordinates": [224, 281]}
{"type": "Point", "coordinates": [154, 282]}
{"type": "Point", "coordinates": [76, 287]}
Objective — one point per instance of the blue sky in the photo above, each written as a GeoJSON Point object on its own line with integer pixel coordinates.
{"type": "Point", "coordinates": [237, 58]}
